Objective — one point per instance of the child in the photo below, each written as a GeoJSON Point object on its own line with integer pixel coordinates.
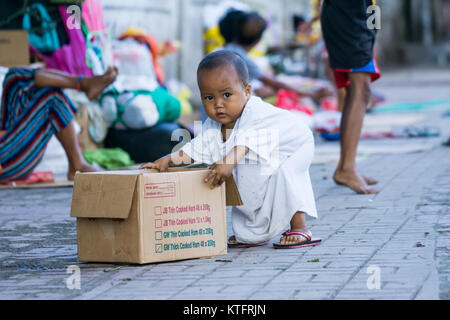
{"type": "Point", "coordinates": [267, 150]}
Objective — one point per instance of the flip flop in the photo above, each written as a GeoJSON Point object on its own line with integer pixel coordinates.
{"type": "Point", "coordinates": [308, 243]}
{"type": "Point", "coordinates": [245, 245]}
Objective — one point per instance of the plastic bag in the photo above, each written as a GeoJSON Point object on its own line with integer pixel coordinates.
{"type": "Point", "coordinates": [130, 110]}
{"type": "Point", "coordinates": [45, 39]}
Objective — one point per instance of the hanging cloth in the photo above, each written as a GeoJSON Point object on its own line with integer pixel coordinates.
{"type": "Point", "coordinates": [70, 58]}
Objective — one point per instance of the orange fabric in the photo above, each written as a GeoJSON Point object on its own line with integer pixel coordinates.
{"type": "Point", "coordinates": [154, 49]}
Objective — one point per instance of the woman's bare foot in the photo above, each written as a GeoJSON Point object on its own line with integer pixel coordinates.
{"type": "Point", "coordinates": [354, 181]}
{"type": "Point", "coordinates": [297, 224]}
{"type": "Point", "coordinates": [94, 86]}
{"type": "Point", "coordinates": [83, 167]}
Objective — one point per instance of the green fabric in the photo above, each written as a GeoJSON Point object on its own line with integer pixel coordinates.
{"type": "Point", "coordinates": [169, 107]}
{"type": "Point", "coordinates": [271, 100]}
{"type": "Point", "coordinates": [410, 106]}
{"type": "Point", "coordinates": [109, 158]}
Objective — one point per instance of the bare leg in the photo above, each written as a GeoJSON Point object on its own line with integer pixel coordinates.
{"type": "Point", "coordinates": [341, 99]}
{"type": "Point", "coordinates": [356, 100]}
{"type": "Point", "coordinates": [91, 86]}
{"type": "Point", "coordinates": [69, 141]}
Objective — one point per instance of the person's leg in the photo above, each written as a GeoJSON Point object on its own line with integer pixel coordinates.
{"type": "Point", "coordinates": [68, 139]}
{"type": "Point", "coordinates": [357, 98]}
{"type": "Point", "coordinates": [91, 86]}
{"type": "Point", "coordinates": [341, 98]}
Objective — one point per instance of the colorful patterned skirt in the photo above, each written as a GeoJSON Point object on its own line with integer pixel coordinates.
{"type": "Point", "coordinates": [29, 116]}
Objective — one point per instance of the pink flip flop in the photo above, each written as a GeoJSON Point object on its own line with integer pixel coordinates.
{"type": "Point", "coordinates": [308, 243]}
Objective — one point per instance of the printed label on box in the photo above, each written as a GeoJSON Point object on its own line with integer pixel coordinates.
{"type": "Point", "coordinates": [192, 223]}
{"type": "Point", "coordinates": [159, 190]}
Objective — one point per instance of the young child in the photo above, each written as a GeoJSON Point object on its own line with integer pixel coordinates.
{"type": "Point", "coordinates": [267, 150]}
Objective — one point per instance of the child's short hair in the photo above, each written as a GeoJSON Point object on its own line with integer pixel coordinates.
{"type": "Point", "coordinates": [222, 58]}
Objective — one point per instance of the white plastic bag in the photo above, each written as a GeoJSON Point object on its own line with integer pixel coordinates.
{"type": "Point", "coordinates": [130, 110]}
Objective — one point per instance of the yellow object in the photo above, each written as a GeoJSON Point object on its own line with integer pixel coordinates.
{"type": "Point", "coordinates": [184, 95]}
{"type": "Point", "coordinates": [213, 39]}
{"type": "Point", "coordinates": [134, 31]}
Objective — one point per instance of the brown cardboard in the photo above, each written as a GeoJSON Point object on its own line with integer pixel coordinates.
{"type": "Point", "coordinates": [14, 48]}
{"type": "Point", "coordinates": [143, 217]}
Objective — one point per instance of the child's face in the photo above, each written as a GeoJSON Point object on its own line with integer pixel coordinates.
{"type": "Point", "coordinates": [223, 94]}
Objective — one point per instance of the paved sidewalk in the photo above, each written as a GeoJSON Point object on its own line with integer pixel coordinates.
{"type": "Point", "coordinates": [403, 233]}
{"type": "Point", "coordinates": [400, 237]}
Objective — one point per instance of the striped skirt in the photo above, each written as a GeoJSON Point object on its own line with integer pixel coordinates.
{"type": "Point", "coordinates": [29, 116]}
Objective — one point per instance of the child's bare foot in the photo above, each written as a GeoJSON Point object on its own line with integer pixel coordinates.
{"type": "Point", "coordinates": [232, 239]}
{"type": "Point", "coordinates": [297, 224]}
{"type": "Point", "coordinates": [354, 181]}
{"type": "Point", "coordinates": [82, 167]}
{"type": "Point", "coordinates": [295, 239]}
{"type": "Point", "coordinates": [94, 86]}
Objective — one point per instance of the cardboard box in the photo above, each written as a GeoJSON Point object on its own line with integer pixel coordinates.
{"type": "Point", "coordinates": [144, 217]}
{"type": "Point", "coordinates": [14, 49]}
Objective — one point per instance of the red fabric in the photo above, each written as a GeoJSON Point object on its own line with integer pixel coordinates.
{"type": "Point", "coordinates": [329, 104]}
{"type": "Point", "coordinates": [35, 177]}
{"type": "Point", "coordinates": [290, 100]}
{"type": "Point", "coordinates": [154, 49]}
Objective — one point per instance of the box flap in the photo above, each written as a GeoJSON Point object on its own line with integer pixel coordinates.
{"type": "Point", "coordinates": [232, 192]}
{"type": "Point", "coordinates": [103, 195]}
{"type": "Point", "coordinates": [233, 198]}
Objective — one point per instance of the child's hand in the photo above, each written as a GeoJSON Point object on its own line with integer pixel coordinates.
{"type": "Point", "coordinates": [161, 164]}
{"type": "Point", "coordinates": [219, 173]}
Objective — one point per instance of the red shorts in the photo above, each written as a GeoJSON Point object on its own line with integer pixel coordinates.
{"type": "Point", "coordinates": [341, 75]}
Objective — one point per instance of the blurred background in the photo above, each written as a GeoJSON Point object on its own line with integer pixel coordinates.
{"type": "Point", "coordinates": [412, 31]}
{"type": "Point", "coordinates": [158, 44]}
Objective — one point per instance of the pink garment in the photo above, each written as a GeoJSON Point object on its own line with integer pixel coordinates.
{"type": "Point", "coordinates": [290, 100]}
{"type": "Point", "coordinates": [93, 15]}
{"type": "Point", "coordinates": [70, 58]}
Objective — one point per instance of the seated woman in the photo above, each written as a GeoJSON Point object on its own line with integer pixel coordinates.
{"type": "Point", "coordinates": [33, 108]}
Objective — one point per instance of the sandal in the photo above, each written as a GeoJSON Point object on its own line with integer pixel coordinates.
{"type": "Point", "coordinates": [245, 245]}
{"type": "Point", "coordinates": [307, 243]}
